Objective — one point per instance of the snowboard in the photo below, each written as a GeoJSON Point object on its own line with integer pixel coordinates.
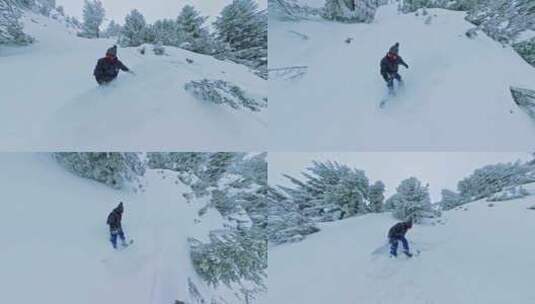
{"type": "Point", "coordinates": [127, 244]}
{"type": "Point", "coordinates": [415, 253]}
{"type": "Point", "coordinates": [384, 250]}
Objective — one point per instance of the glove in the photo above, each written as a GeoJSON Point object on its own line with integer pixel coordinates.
{"type": "Point", "coordinates": [406, 65]}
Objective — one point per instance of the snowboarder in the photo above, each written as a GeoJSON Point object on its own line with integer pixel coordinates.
{"type": "Point", "coordinates": [108, 67]}
{"type": "Point", "coordinates": [390, 65]}
{"type": "Point", "coordinates": [116, 230]}
{"type": "Point", "coordinates": [397, 234]}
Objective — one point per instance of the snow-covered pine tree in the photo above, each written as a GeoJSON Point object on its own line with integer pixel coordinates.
{"type": "Point", "coordinates": [178, 161]}
{"type": "Point", "coordinates": [392, 202]}
{"type": "Point", "coordinates": [494, 178]}
{"type": "Point", "coordinates": [507, 21]}
{"type": "Point", "coordinates": [526, 49]}
{"type": "Point", "coordinates": [291, 10]}
{"type": "Point", "coordinates": [282, 9]}
{"type": "Point", "coordinates": [134, 30]}
{"type": "Point", "coordinates": [236, 184]}
{"type": "Point", "coordinates": [46, 6]}
{"type": "Point", "coordinates": [350, 10]}
{"type": "Point", "coordinates": [113, 30]}
{"type": "Point", "coordinates": [510, 193]}
{"type": "Point", "coordinates": [286, 222]}
{"type": "Point", "coordinates": [223, 92]}
{"type": "Point", "coordinates": [460, 5]}
{"type": "Point", "coordinates": [230, 257]}
{"type": "Point", "coordinates": [217, 165]}
{"type": "Point", "coordinates": [11, 29]}
{"type": "Point", "coordinates": [93, 14]}
{"type": "Point", "coordinates": [251, 167]}
{"type": "Point", "coordinates": [377, 197]}
{"type": "Point", "coordinates": [166, 31]}
{"type": "Point", "coordinates": [450, 199]}
{"type": "Point", "coordinates": [73, 22]}
{"type": "Point", "coordinates": [241, 32]}
{"type": "Point", "coordinates": [413, 201]}
{"type": "Point", "coordinates": [116, 170]}
{"type": "Point", "coordinates": [192, 31]}
{"type": "Point", "coordinates": [330, 191]}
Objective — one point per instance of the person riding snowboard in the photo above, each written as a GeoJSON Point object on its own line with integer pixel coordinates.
{"type": "Point", "coordinates": [397, 234]}
{"type": "Point", "coordinates": [108, 67]}
{"type": "Point", "coordinates": [390, 65]}
{"type": "Point", "coordinates": [116, 230]}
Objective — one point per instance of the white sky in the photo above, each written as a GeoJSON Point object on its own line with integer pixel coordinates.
{"type": "Point", "coordinates": [151, 9]}
{"type": "Point", "coordinates": [439, 169]}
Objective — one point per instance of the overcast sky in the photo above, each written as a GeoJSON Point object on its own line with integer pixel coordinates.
{"type": "Point", "coordinates": [439, 169]}
{"type": "Point", "coordinates": [151, 9]}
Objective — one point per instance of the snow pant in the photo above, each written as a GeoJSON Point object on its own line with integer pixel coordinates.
{"type": "Point", "coordinates": [394, 245]}
{"type": "Point", "coordinates": [389, 78]}
{"type": "Point", "coordinates": [114, 233]}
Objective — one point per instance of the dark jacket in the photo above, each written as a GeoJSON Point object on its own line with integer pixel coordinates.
{"type": "Point", "coordinates": [108, 68]}
{"type": "Point", "coordinates": [391, 66]}
{"type": "Point", "coordinates": [115, 217]}
{"type": "Point", "coordinates": [399, 230]}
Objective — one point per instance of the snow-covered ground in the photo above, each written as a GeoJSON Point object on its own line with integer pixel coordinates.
{"type": "Point", "coordinates": [50, 101]}
{"type": "Point", "coordinates": [480, 254]}
{"type": "Point", "coordinates": [312, 3]}
{"type": "Point", "coordinates": [55, 246]}
{"type": "Point", "coordinates": [456, 94]}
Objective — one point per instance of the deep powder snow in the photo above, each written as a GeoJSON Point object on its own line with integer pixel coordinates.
{"type": "Point", "coordinates": [456, 93]}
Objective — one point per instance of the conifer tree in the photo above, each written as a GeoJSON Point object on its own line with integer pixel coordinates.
{"type": "Point", "coordinates": [134, 30]}
{"type": "Point", "coordinates": [241, 30]}
{"type": "Point", "coordinates": [192, 32]}
{"type": "Point", "coordinates": [93, 14]}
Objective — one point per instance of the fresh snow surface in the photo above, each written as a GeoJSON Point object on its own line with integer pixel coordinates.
{"type": "Point", "coordinates": [479, 255]}
{"type": "Point", "coordinates": [50, 100]}
{"type": "Point", "coordinates": [456, 94]}
{"type": "Point", "coordinates": [55, 241]}
{"type": "Point", "coordinates": [312, 3]}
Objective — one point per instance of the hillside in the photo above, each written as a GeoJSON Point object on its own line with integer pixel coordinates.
{"type": "Point", "coordinates": [55, 242]}
{"type": "Point", "coordinates": [456, 90]}
{"type": "Point", "coordinates": [476, 254]}
{"type": "Point", "coordinates": [50, 100]}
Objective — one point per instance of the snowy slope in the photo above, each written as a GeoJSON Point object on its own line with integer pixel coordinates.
{"type": "Point", "coordinates": [479, 255]}
{"type": "Point", "coordinates": [55, 246]}
{"type": "Point", "coordinates": [456, 94]}
{"type": "Point", "coordinates": [50, 101]}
